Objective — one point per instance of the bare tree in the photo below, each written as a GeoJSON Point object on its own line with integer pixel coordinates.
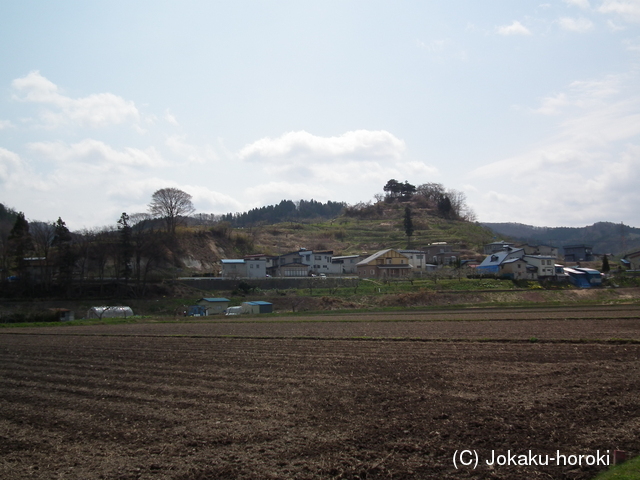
{"type": "Point", "coordinates": [171, 204]}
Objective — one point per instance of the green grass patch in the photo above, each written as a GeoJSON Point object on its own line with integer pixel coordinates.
{"type": "Point", "coordinates": [629, 470]}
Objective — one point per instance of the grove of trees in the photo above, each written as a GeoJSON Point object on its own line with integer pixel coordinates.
{"type": "Point", "coordinates": [284, 211]}
{"type": "Point", "coordinates": [446, 203]}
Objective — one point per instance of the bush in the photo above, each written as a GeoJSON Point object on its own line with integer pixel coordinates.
{"type": "Point", "coordinates": [33, 317]}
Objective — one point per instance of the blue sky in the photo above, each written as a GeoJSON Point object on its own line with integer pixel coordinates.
{"type": "Point", "coordinates": [532, 109]}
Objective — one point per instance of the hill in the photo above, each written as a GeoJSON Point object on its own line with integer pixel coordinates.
{"type": "Point", "coordinates": [364, 228]}
{"type": "Point", "coordinates": [605, 237]}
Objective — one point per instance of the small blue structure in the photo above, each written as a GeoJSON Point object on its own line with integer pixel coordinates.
{"type": "Point", "coordinates": [196, 311]}
{"type": "Point", "coordinates": [584, 277]}
{"type": "Point", "coordinates": [257, 307]}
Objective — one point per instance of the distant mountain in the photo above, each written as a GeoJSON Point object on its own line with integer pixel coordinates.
{"type": "Point", "coordinates": [605, 237]}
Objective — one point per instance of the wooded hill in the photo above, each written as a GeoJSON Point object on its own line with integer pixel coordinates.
{"type": "Point", "coordinates": [605, 237]}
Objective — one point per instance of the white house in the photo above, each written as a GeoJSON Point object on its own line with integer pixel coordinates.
{"type": "Point", "coordinates": [344, 265]}
{"type": "Point", "coordinates": [256, 268]}
{"type": "Point", "coordinates": [243, 268]}
{"type": "Point", "coordinates": [319, 261]}
{"type": "Point", "coordinates": [545, 264]}
{"type": "Point", "coordinates": [417, 259]}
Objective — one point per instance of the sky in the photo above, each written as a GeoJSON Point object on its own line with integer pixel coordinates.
{"type": "Point", "coordinates": [531, 109]}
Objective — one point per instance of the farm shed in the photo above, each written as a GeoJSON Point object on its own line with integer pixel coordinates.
{"type": "Point", "coordinates": [214, 305]}
{"type": "Point", "coordinates": [63, 314]}
{"type": "Point", "coordinates": [110, 312]}
{"type": "Point", "coordinates": [196, 311]}
{"type": "Point", "coordinates": [584, 277]}
{"type": "Point", "coordinates": [257, 307]}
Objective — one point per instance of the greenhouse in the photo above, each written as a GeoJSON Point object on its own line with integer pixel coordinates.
{"type": "Point", "coordinates": [110, 312]}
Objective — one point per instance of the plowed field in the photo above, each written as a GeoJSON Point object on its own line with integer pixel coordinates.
{"type": "Point", "coordinates": [377, 396]}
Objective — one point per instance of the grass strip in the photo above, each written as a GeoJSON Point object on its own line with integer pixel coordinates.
{"type": "Point", "coordinates": [630, 470]}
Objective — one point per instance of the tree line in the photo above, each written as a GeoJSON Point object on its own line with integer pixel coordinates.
{"type": "Point", "coordinates": [47, 258]}
{"type": "Point", "coordinates": [285, 211]}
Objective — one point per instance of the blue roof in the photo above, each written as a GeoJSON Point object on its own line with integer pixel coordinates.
{"type": "Point", "coordinates": [259, 302]}
{"type": "Point", "coordinates": [232, 260]}
{"type": "Point", "coordinates": [216, 299]}
{"type": "Point", "coordinates": [498, 258]}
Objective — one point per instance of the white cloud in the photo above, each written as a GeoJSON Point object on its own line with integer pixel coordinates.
{"type": "Point", "coordinates": [5, 124]}
{"type": "Point", "coordinates": [170, 118]}
{"type": "Point", "coordinates": [433, 46]}
{"type": "Point", "coordinates": [614, 27]}
{"type": "Point", "coordinates": [301, 165]}
{"type": "Point", "coordinates": [581, 94]}
{"type": "Point", "coordinates": [579, 25]}
{"type": "Point", "coordinates": [632, 46]}
{"type": "Point", "coordinates": [95, 110]}
{"type": "Point", "coordinates": [10, 165]}
{"type": "Point", "coordinates": [590, 168]}
{"type": "Point", "coordinates": [553, 105]}
{"type": "Point", "coordinates": [359, 144]}
{"type": "Point", "coordinates": [516, 28]}
{"type": "Point", "coordinates": [190, 153]}
{"type": "Point", "coordinates": [579, 3]}
{"type": "Point", "coordinates": [627, 10]}
{"type": "Point", "coordinates": [98, 154]}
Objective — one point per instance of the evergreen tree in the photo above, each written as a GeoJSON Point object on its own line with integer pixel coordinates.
{"type": "Point", "coordinates": [20, 245]}
{"type": "Point", "coordinates": [445, 208]}
{"type": "Point", "coordinates": [408, 224]}
{"type": "Point", "coordinates": [65, 258]}
{"type": "Point", "coordinates": [605, 264]}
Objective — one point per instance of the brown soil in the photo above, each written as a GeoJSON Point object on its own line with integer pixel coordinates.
{"type": "Point", "coordinates": [173, 401]}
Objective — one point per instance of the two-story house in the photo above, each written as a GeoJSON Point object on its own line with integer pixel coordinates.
{"type": "Point", "coordinates": [344, 265]}
{"type": "Point", "coordinates": [387, 263]}
{"type": "Point", "coordinates": [417, 259]}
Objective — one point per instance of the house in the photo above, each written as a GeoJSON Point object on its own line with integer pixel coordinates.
{"type": "Point", "coordinates": [290, 264]}
{"type": "Point", "coordinates": [578, 253]}
{"type": "Point", "coordinates": [233, 268]}
{"type": "Point", "coordinates": [417, 259]}
{"type": "Point", "coordinates": [214, 305]}
{"type": "Point", "coordinates": [257, 307]}
{"type": "Point", "coordinates": [319, 261]}
{"type": "Point", "coordinates": [440, 253]}
{"type": "Point", "coordinates": [387, 263]}
{"type": "Point", "coordinates": [496, 247]}
{"type": "Point", "coordinates": [544, 265]}
{"type": "Point", "coordinates": [249, 267]}
{"type": "Point", "coordinates": [344, 265]}
{"type": "Point", "coordinates": [301, 263]}
{"type": "Point", "coordinates": [516, 269]}
{"type": "Point", "coordinates": [539, 250]}
{"type": "Point", "coordinates": [491, 264]}
{"type": "Point", "coordinates": [633, 260]}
